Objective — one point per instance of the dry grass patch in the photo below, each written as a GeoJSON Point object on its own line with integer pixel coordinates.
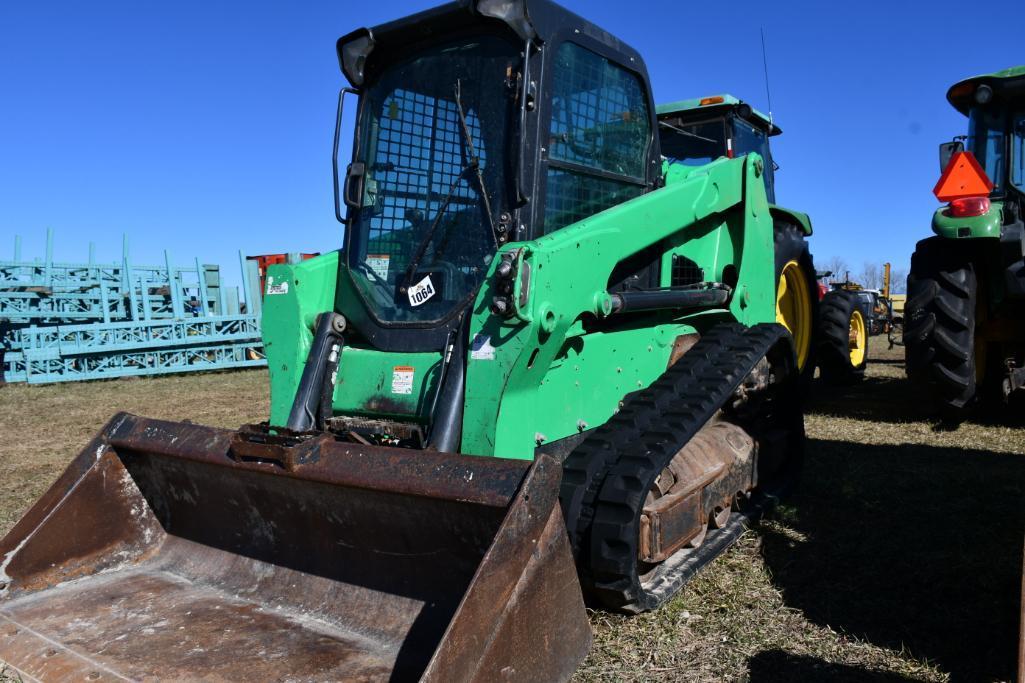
{"type": "Point", "coordinates": [44, 427]}
{"type": "Point", "coordinates": [897, 560]}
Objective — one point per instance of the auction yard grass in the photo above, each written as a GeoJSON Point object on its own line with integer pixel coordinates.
{"type": "Point", "coordinates": [898, 559]}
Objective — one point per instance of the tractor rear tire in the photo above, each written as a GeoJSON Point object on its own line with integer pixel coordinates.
{"type": "Point", "coordinates": [793, 260]}
{"type": "Point", "coordinates": [842, 338]}
{"type": "Point", "coordinates": [939, 325]}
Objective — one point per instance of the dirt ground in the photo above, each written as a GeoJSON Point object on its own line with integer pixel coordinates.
{"type": "Point", "coordinates": [897, 560]}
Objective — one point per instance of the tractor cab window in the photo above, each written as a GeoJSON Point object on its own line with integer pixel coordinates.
{"type": "Point", "coordinates": [433, 142]}
{"type": "Point", "coordinates": [986, 142]}
{"type": "Point", "coordinates": [598, 139]}
{"type": "Point", "coordinates": [693, 144]}
{"type": "Point", "coordinates": [747, 139]}
{"type": "Point", "coordinates": [1018, 151]}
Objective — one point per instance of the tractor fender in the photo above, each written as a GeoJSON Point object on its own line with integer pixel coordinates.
{"type": "Point", "coordinates": [801, 220]}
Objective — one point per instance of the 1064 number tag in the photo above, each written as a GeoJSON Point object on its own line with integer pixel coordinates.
{"type": "Point", "coordinates": [421, 292]}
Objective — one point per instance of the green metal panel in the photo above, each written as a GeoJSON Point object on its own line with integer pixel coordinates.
{"type": "Point", "coordinates": [986, 225]}
{"type": "Point", "coordinates": [960, 97]}
{"type": "Point", "coordinates": [694, 104]}
{"type": "Point", "coordinates": [295, 295]}
{"type": "Point", "coordinates": [372, 382]}
{"type": "Point", "coordinates": [368, 382]}
{"type": "Point", "coordinates": [557, 367]}
{"type": "Point", "coordinates": [711, 212]}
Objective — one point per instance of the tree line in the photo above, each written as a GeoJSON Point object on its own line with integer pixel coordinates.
{"type": "Point", "coordinates": [869, 276]}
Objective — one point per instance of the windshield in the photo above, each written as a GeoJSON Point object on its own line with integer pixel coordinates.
{"type": "Point", "coordinates": [986, 142]}
{"type": "Point", "coordinates": [693, 144]}
{"type": "Point", "coordinates": [433, 138]}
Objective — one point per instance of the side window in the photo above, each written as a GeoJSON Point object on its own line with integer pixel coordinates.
{"type": "Point", "coordinates": [747, 139]}
{"type": "Point", "coordinates": [599, 137]}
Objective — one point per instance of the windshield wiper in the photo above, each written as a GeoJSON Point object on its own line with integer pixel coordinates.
{"type": "Point", "coordinates": [473, 165]}
{"type": "Point", "coordinates": [421, 248]}
{"type": "Point", "coordinates": [474, 161]}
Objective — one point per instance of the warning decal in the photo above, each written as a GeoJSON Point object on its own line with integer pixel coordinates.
{"type": "Point", "coordinates": [280, 288]}
{"type": "Point", "coordinates": [402, 379]}
{"type": "Point", "coordinates": [379, 264]}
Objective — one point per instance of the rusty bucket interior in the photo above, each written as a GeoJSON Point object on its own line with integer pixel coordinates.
{"type": "Point", "coordinates": [158, 556]}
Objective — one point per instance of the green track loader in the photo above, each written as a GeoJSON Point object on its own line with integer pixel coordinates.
{"type": "Point", "coordinates": [965, 314]}
{"type": "Point", "coordinates": [545, 368]}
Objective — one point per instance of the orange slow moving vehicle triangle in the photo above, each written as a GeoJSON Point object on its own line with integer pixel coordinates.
{"type": "Point", "coordinates": [963, 177]}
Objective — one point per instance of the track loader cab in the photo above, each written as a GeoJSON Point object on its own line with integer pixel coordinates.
{"type": "Point", "coordinates": [480, 124]}
{"type": "Point", "coordinates": [965, 318]}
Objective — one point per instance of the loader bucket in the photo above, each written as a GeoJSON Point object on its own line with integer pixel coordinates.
{"type": "Point", "coordinates": [159, 556]}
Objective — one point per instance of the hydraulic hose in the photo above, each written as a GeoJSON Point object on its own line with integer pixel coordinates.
{"type": "Point", "coordinates": [447, 427]}
{"type": "Point", "coordinates": [320, 366]}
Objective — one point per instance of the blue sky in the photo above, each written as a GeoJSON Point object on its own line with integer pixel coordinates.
{"type": "Point", "coordinates": [205, 127]}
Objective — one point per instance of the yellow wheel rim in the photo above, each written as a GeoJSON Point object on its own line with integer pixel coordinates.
{"type": "Point", "coordinates": [793, 308]}
{"type": "Point", "coordinates": [858, 339]}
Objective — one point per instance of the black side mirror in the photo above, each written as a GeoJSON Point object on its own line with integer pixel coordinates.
{"type": "Point", "coordinates": [948, 150]}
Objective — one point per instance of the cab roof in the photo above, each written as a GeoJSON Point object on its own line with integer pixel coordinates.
{"type": "Point", "coordinates": [715, 105]}
{"type": "Point", "coordinates": [1009, 83]}
{"type": "Point", "coordinates": [537, 20]}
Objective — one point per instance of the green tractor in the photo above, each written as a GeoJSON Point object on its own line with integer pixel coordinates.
{"type": "Point", "coordinates": [830, 334]}
{"type": "Point", "coordinates": [698, 131]}
{"type": "Point", "coordinates": [965, 314]}
{"type": "Point", "coordinates": [545, 366]}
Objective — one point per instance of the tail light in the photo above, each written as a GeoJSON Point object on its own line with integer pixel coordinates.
{"type": "Point", "coordinates": [966, 207]}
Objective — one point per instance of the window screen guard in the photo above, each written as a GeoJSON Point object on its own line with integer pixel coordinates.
{"type": "Point", "coordinates": [598, 138]}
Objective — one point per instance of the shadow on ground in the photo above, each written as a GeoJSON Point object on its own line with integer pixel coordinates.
{"type": "Point", "coordinates": [908, 546]}
{"type": "Point", "coordinates": [895, 400]}
{"type": "Point", "coordinates": [772, 666]}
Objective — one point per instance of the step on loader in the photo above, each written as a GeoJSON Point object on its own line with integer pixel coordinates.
{"type": "Point", "coordinates": [503, 397]}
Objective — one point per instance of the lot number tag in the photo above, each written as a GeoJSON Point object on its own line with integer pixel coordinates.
{"type": "Point", "coordinates": [421, 291]}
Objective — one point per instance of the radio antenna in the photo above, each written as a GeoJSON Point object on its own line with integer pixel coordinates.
{"type": "Point", "coordinates": [765, 67]}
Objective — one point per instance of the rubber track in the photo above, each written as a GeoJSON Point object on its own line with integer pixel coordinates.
{"type": "Point", "coordinates": [607, 477]}
{"type": "Point", "coordinates": [939, 327]}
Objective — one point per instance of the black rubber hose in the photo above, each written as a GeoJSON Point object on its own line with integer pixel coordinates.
{"type": "Point", "coordinates": [327, 386]}
{"type": "Point", "coordinates": [305, 407]}
{"type": "Point", "coordinates": [446, 432]}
